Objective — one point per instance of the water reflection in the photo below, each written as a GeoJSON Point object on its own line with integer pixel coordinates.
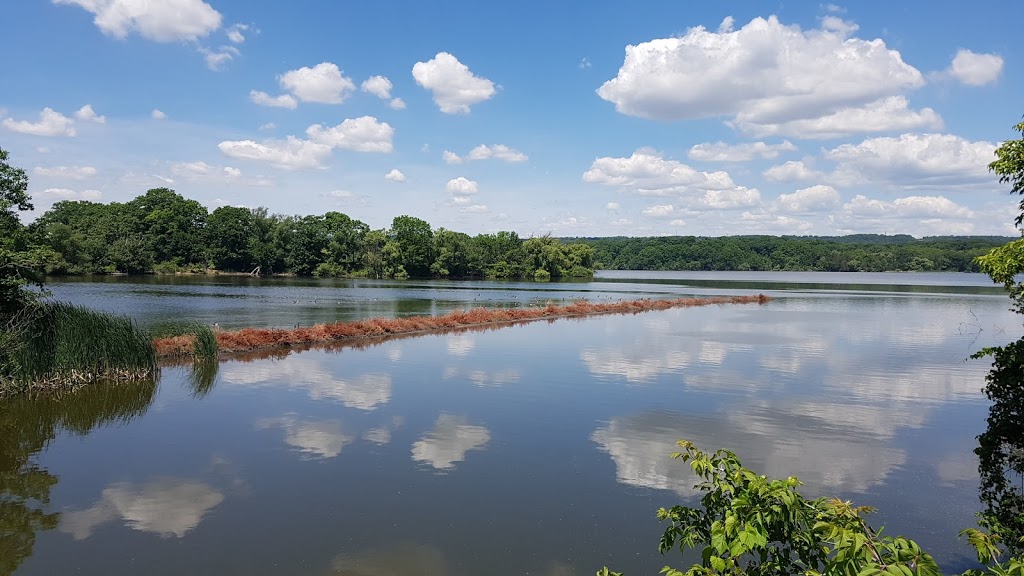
{"type": "Point", "coordinates": [830, 455]}
{"type": "Point", "coordinates": [27, 426]}
{"type": "Point", "coordinates": [406, 558]}
{"type": "Point", "coordinates": [164, 506]}
{"type": "Point", "coordinates": [313, 373]}
{"type": "Point", "coordinates": [315, 439]}
{"type": "Point", "coordinates": [449, 441]}
{"type": "Point", "coordinates": [382, 435]}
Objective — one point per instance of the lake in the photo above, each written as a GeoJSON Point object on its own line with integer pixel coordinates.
{"type": "Point", "coordinates": [535, 449]}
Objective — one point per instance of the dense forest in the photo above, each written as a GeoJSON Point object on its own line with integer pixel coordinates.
{"type": "Point", "coordinates": [860, 252]}
{"type": "Point", "coordinates": [161, 231]}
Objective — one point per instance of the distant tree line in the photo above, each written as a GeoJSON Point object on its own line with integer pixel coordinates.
{"type": "Point", "coordinates": [855, 253]}
{"type": "Point", "coordinates": [161, 231]}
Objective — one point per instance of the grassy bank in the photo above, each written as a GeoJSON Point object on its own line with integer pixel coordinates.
{"type": "Point", "coordinates": [55, 345]}
{"type": "Point", "coordinates": [249, 339]}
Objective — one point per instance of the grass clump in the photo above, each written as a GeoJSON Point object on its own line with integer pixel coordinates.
{"type": "Point", "coordinates": [53, 344]}
{"type": "Point", "coordinates": [196, 336]}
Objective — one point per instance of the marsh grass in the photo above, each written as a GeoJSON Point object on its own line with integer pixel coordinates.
{"type": "Point", "coordinates": [53, 344]}
{"type": "Point", "coordinates": [192, 338]}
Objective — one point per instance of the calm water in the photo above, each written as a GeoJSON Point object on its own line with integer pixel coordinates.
{"type": "Point", "coordinates": [538, 449]}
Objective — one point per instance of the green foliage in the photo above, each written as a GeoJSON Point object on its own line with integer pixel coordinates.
{"type": "Point", "coordinates": [1009, 165]}
{"type": "Point", "coordinates": [857, 253]}
{"type": "Point", "coordinates": [749, 524]}
{"type": "Point", "coordinates": [19, 266]}
{"type": "Point", "coordinates": [56, 341]}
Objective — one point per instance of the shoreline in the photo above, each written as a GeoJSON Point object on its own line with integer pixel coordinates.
{"type": "Point", "coordinates": [255, 339]}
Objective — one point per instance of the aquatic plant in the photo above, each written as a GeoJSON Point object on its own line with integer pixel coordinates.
{"type": "Point", "coordinates": [55, 344]}
{"type": "Point", "coordinates": [259, 338]}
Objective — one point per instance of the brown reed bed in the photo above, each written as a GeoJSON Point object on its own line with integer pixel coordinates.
{"type": "Point", "coordinates": [254, 339]}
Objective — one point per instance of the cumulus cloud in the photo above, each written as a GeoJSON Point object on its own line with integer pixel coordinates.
{"type": "Point", "coordinates": [236, 33]}
{"type": "Point", "coordinates": [919, 215]}
{"type": "Point", "coordinates": [908, 207]}
{"type": "Point", "coordinates": [290, 154]}
{"type": "Point", "coordinates": [323, 83]}
{"type": "Point", "coordinates": [201, 171]}
{"type": "Point", "coordinates": [217, 58]}
{"type": "Point", "coordinates": [363, 134]}
{"type": "Point", "coordinates": [396, 176]}
{"type": "Point", "coordinates": [886, 115]}
{"type": "Point", "coordinates": [475, 209]}
{"type": "Point", "coordinates": [454, 87]}
{"type": "Point", "coordinates": [397, 104]}
{"type": "Point", "coordinates": [87, 114]}
{"type": "Point", "coordinates": [791, 171]}
{"type": "Point", "coordinates": [812, 199]}
{"type": "Point", "coordinates": [281, 101]}
{"type": "Point", "coordinates": [975, 69]}
{"type": "Point", "coordinates": [914, 161]}
{"type": "Point", "coordinates": [66, 172]}
{"type": "Point", "coordinates": [743, 152]}
{"type": "Point", "coordinates": [379, 86]}
{"type": "Point", "coordinates": [765, 73]}
{"type": "Point", "coordinates": [164, 21]}
{"type": "Point", "coordinates": [647, 173]}
{"type": "Point", "coordinates": [58, 194]}
{"type": "Point", "coordinates": [50, 123]}
{"type": "Point", "coordinates": [461, 187]}
{"type": "Point", "coordinates": [157, 115]}
{"type": "Point", "coordinates": [485, 152]}
{"type": "Point", "coordinates": [612, 206]}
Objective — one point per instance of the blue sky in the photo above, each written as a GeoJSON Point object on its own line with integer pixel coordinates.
{"type": "Point", "coordinates": [578, 119]}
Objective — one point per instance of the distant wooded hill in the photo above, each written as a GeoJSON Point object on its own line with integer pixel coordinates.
{"type": "Point", "coordinates": [853, 253]}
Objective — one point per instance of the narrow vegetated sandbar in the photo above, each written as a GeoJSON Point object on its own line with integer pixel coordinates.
{"type": "Point", "coordinates": [249, 339]}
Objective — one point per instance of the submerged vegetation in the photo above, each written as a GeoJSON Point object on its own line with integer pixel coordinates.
{"type": "Point", "coordinates": [260, 338]}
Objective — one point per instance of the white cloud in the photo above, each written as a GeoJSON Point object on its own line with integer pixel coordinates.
{"type": "Point", "coordinates": [235, 32]}
{"type": "Point", "coordinates": [647, 173]}
{"type": "Point", "coordinates": [660, 211]}
{"type": "Point", "coordinates": [201, 171]}
{"type": "Point", "coordinates": [163, 21]}
{"type": "Point", "coordinates": [908, 207]}
{"type": "Point", "coordinates": [396, 176]}
{"type": "Point", "coordinates": [743, 152]}
{"type": "Point", "coordinates": [454, 87]}
{"type": "Point", "coordinates": [461, 186]}
{"type": "Point", "coordinates": [50, 124]}
{"type": "Point", "coordinates": [264, 99]}
{"type": "Point", "coordinates": [975, 69]}
{"type": "Point", "coordinates": [475, 209]}
{"type": "Point", "coordinates": [216, 59]}
{"type": "Point", "coordinates": [914, 161]}
{"type": "Point", "coordinates": [289, 154]}
{"type": "Point", "coordinates": [363, 134]}
{"type": "Point", "coordinates": [268, 126]}
{"type": "Point", "coordinates": [886, 115]}
{"type": "Point", "coordinates": [69, 172]}
{"type": "Point", "coordinates": [379, 86]}
{"type": "Point", "coordinates": [584, 64]}
{"type": "Point", "coordinates": [812, 199]}
{"type": "Point", "coordinates": [157, 115]}
{"type": "Point", "coordinates": [450, 157]}
{"type": "Point", "coordinates": [498, 152]}
{"type": "Point", "coordinates": [315, 439]}
{"type": "Point", "coordinates": [791, 171]}
{"type": "Point", "coordinates": [323, 83]}
{"type": "Point", "coordinates": [449, 442]}
{"type": "Point", "coordinates": [87, 114]}
{"type": "Point", "coordinates": [397, 104]}
{"type": "Point", "coordinates": [763, 73]}
{"type": "Point", "coordinates": [58, 194]}
{"type": "Point", "coordinates": [612, 206]}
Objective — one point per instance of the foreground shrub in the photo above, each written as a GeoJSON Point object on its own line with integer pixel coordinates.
{"type": "Point", "coordinates": [750, 524]}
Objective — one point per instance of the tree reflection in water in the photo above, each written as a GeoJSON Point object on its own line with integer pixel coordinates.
{"type": "Point", "coordinates": [27, 426]}
{"type": "Point", "coordinates": [1001, 446]}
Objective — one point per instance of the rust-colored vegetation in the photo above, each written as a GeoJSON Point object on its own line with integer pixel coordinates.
{"type": "Point", "coordinates": [251, 339]}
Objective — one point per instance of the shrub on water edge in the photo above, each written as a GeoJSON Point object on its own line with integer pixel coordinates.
{"type": "Point", "coordinates": [57, 341]}
{"type": "Point", "coordinates": [542, 275]}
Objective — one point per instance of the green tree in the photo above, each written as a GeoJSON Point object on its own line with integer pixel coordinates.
{"type": "Point", "coordinates": [18, 266]}
{"type": "Point", "coordinates": [172, 225]}
{"type": "Point", "coordinates": [415, 240]}
{"type": "Point", "coordinates": [229, 233]}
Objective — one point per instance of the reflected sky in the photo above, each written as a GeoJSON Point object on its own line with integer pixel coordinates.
{"type": "Point", "coordinates": [411, 455]}
{"type": "Point", "coordinates": [163, 506]}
